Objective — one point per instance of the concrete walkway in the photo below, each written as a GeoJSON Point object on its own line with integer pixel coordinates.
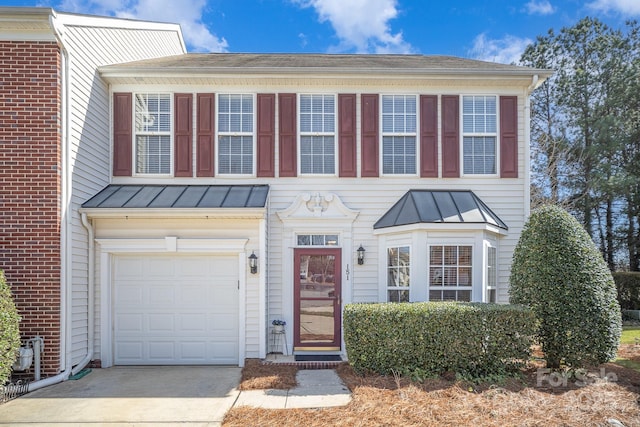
{"type": "Point", "coordinates": [317, 388]}
{"type": "Point", "coordinates": [165, 395]}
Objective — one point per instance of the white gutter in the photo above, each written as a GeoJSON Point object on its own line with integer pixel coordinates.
{"type": "Point", "coordinates": [91, 295]}
{"type": "Point", "coordinates": [535, 82]}
{"type": "Point", "coordinates": [65, 297]}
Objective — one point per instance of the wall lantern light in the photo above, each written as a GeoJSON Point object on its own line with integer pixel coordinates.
{"type": "Point", "coordinates": [253, 263]}
{"type": "Point", "coordinates": [360, 255]}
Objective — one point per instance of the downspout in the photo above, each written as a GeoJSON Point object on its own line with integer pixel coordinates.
{"type": "Point", "coordinates": [527, 146]}
{"type": "Point", "coordinates": [65, 296]}
{"type": "Point", "coordinates": [91, 295]}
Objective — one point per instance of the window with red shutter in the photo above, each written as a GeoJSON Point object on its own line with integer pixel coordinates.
{"type": "Point", "coordinates": [347, 135]}
{"type": "Point", "coordinates": [370, 136]}
{"type": "Point", "coordinates": [287, 134]}
{"type": "Point", "coordinates": [122, 134]}
{"type": "Point", "coordinates": [509, 136]}
{"type": "Point", "coordinates": [183, 135]}
{"type": "Point", "coordinates": [205, 128]}
{"type": "Point", "coordinates": [266, 135]}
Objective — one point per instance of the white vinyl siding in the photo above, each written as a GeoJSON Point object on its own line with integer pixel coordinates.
{"type": "Point", "coordinates": [398, 273]}
{"type": "Point", "coordinates": [317, 134]}
{"type": "Point", "coordinates": [399, 121]}
{"type": "Point", "coordinates": [235, 134]}
{"type": "Point", "coordinates": [479, 135]}
{"type": "Point", "coordinates": [93, 43]}
{"type": "Point", "coordinates": [153, 133]}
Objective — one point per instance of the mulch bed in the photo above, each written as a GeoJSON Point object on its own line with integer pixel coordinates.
{"type": "Point", "coordinates": [527, 401]}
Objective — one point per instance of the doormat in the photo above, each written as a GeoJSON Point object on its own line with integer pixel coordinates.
{"type": "Point", "coordinates": [318, 358]}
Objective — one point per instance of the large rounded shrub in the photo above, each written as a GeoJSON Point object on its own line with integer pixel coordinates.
{"type": "Point", "coordinates": [9, 333]}
{"type": "Point", "coordinates": [558, 272]}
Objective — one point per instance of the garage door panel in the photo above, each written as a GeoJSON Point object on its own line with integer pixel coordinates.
{"type": "Point", "coordinates": [183, 319]}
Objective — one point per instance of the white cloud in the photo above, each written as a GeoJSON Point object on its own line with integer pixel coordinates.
{"type": "Point", "coordinates": [624, 7]}
{"type": "Point", "coordinates": [188, 14]}
{"type": "Point", "coordinates": [507, 50]}
{"type": "Point", "coordinates": [539, 7]}
{"type": "Point", "coordinates": [361, 25]}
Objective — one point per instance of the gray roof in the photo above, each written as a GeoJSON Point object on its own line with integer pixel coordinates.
{"type": "Point", "coordinates": [439, 206]}
{"type": "Point", "coordinates": [326, 63]}
{"type": "Point", "coordinates": [180, 196]}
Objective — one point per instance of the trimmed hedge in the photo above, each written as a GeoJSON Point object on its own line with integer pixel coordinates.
{"type": "Point", "coordinates": [9, 333]}
{"type": "Point", "coordinates": [628, 286]}
{"type": "Point", "coordinates": [471, 339]}
{"type": "Point", "coordinates": [558, 271]}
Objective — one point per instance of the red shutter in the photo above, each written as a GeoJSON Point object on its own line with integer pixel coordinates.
{"type": "Point", "coordinates": [370, 136]}
{"type": "Point", "coordinates": [450, 136]}
{"type": "Point", "coordinates": [429, 136]}
{"type": "Point", "coordinates": [183, 135]}
{"type": "Point", "coordinates": [122, 134]}
{"type": "Point", "coordinates": [205, 134]}
{"type": "Point", "coordinates": [288, 137]}
{"type": "Point", "coordinates": [508, 136]}
{"type": "Point", "coordinates": [266, 134]}
{"type": "Point", "coordinates": [347, 135]}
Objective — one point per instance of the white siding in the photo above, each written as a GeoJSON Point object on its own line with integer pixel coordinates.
{"type": "Point", "coordinates": [371, 197]}
{"type": "Point", "coordinates": [89, 112]}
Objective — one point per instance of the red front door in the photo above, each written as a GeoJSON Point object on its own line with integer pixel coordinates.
{"type": "Point", "coordinates": [317, 305]}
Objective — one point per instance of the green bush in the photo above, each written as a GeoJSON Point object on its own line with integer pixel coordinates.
{"type": "Point", "coordinates": [558, 272]}
{"type": "Point", "coordinates": [9, 333]}
{"type": "Point", "coordinates": [628, 285]}
{"type": "Point", "coordinates": [471, 339]}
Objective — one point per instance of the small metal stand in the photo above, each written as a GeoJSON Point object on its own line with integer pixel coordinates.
{"type": "Point", "coordinates": [279, 342]}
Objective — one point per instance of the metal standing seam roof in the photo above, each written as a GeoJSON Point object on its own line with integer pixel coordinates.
{"type": "Point", "coordinates": [179, 196]}
{"type": "Point", "coordinates": [439, 206]}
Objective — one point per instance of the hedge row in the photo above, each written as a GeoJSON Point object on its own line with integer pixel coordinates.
{"type": "Point", "coordinates": [628, 285]}
{"type": "Point", "coordinates": [9, 334]}
{"type": "Point", "coordinates": [471, 339]}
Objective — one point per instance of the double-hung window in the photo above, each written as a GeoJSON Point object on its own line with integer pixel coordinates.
{"type": "Point", "coordinates": [317, 134]}
{"type": "Point", "coordinates": [479, 135]}
{"type": "Point", "coordinates": [398, 273]}
{"type": "Point", "coordinates": [153, 133]}
{"type": "Point", "coordinates": [235, 134]}
{"type": "Point", "coordinates": [399, 134]}
{"type": "Point", "coordinates": [450, 273]}
{"type": "Point", "coordinates": [492, 273]}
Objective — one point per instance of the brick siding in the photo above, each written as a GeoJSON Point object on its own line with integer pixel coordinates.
{"type": "Point", "coordinates": [30, 165]}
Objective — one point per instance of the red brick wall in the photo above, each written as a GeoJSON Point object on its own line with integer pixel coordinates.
{"type": "Point", "coordinates": [30, 166]}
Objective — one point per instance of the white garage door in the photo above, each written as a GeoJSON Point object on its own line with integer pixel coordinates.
{"type": "Point", "coordinates": [175, 310]}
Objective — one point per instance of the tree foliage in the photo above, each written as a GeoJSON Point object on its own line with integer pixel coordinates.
{"type": "Point", "coordinates": [9, 333]}
{"type": "Point", "coordinates": [558, 272]}
{"type": "Point", "coordinates": [585, 131]}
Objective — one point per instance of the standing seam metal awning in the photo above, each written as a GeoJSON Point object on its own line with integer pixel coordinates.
{"type": "Point", "coordinates": [179, 196]}
{"type": "Point", "coordinates": [439, 206]}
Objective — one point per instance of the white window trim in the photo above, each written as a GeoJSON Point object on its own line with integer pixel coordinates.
{"type": "Point", "coordinates": [134, 145]}
{"type": "Point", "coordinates": [471, 134]}
{"type": "Point", "coordinates": [474, 263]}
{"type": "Point", "coordinates": [317, 233]}
{"type": "Point", "coordinates": [253, 135]}
{"type": "Point", "coordinates": [383, 134]}
{"type": "Point", "coordinates": [485, 265]}
{"type": "Point", "coordinates": [300, 134]}
{"type": "Point", "coordinates": [388, 288]}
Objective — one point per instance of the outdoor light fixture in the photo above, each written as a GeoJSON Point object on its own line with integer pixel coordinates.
{"type": "Point", "coordinates": [253, 262]}
{"type": "Point", "coordinates": [360, 255]}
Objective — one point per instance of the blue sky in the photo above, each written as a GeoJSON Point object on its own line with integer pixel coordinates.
{"type": "Point", "coordinates": [494, 30]}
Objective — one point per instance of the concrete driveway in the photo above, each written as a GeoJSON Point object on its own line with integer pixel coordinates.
{"type": "Point", "coordinates": [131, 396]}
